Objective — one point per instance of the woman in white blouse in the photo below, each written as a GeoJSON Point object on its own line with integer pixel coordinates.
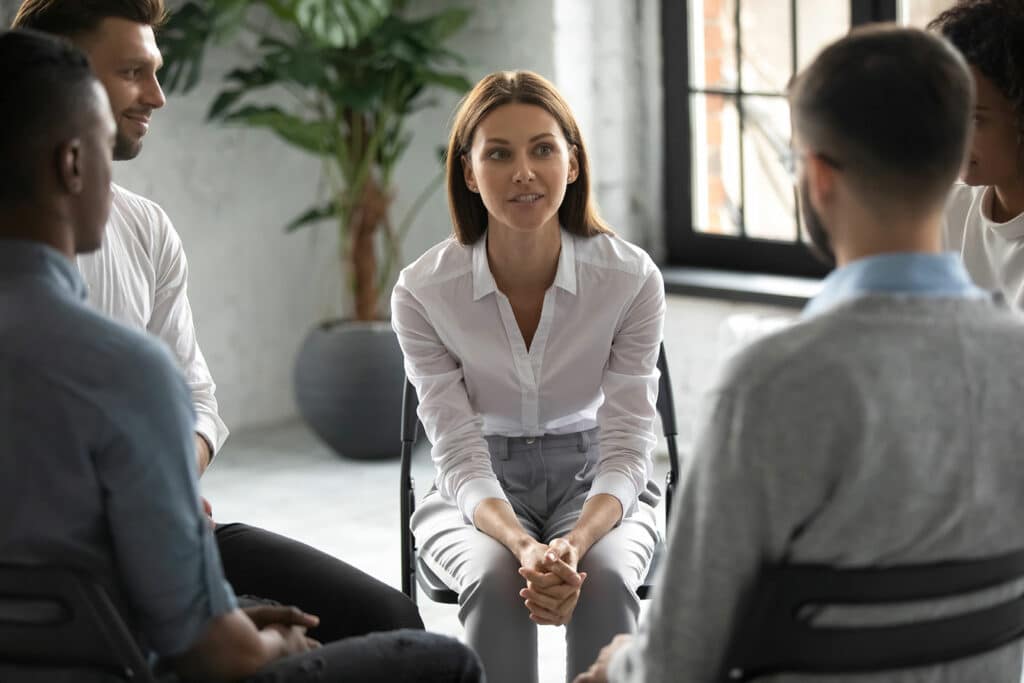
{"type": "Point", "coordinates": [532, 338]}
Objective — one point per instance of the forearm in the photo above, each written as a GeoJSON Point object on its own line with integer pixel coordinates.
{"type": "Point", "coordinates": [599, 516]}
{"type": "Point", "coordinates": [203, 453]}
{"type": "Point", "coordinates": [496, 518]}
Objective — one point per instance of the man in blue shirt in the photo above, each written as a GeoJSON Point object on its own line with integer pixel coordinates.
{"type": "Point", "coordinates": [97, 467]}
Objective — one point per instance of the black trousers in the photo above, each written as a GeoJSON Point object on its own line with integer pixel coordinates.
{"type": "Point", "coordinates": [397, 657]}
{"type": "Point", "coordinates": [348, 601]}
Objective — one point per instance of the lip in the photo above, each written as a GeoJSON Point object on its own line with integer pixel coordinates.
{"type": "Point", "coordinates": [526, 198]}
{"type": "Point", "coordinates": [143, 121]}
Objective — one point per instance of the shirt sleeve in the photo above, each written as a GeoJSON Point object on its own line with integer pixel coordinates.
{"type": "Point", "coordinates": [164, 548]}
{"type": "Point", "coordinates": [455, 429]}
{"type": "Point", "coordinates": [172, 322]}
{"type": "Point", "coordinates": [630, 386]}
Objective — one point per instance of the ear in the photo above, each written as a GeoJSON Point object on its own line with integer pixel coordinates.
{"type": "Point", "coordinates": [821, 183]}
{"type": "Point", "coordinates": [467, 174]}
{"type": "Point", "coordinates": [69, 166]}
{"type": "Point", "coordinates": [574, 164]}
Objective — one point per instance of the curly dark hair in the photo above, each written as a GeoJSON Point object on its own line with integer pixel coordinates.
{"type": "Point", "coordinates": [990, 35]}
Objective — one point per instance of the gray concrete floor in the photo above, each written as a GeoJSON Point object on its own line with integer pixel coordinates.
{"type": "Point", "coordinates": [285, 480]}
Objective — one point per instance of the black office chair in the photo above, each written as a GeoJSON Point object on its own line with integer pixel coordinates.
{"type": "Point", "coordinates": [414, 570]}
{"type": "Point", "coordinates": [776, 634]}
{"type": "Point", "coordinates": [54, 618]}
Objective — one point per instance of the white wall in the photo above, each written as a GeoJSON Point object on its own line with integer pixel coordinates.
{"type": "Point", "coordinates": [255, 291]}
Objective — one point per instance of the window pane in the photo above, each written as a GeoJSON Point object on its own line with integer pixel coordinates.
{"type": "Point", "coordinates": [712, 43]}
{"type": "Point", "coordinates": [716, 173]}
{"type": "Point", "coordinates": [768, 187]}
{"type": "Point", "coordinates": [818, 24]}
{"type": "Point", "coordinates": [767, 40]}
{"type": "Point", "coordinates": [919, 12]}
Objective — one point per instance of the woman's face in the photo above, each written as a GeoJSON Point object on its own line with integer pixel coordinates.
{"type": "Point", "coordinates": [994, 158]}
{"type": "Point", "coordinates": [520, 164]}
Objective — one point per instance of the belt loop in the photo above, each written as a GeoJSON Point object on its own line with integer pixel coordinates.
{"type": "Point", "coordinates": [583, 441]}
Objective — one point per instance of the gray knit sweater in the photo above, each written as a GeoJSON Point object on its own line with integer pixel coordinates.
{"type": "Point", "coordinates": [885, 431]}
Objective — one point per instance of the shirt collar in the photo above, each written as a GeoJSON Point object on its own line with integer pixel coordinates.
{"type": "Point", "coordinates": [21, 258]}
{"type": "Point", "coordinates": [911, 273]}
{"type": "Point", "coordinates": [565, 276]}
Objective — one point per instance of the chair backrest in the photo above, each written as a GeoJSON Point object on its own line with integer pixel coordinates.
{"type": "Point", "coordinates": [52, 617]}
{"type": "Point", "coordinates": [775, 633]}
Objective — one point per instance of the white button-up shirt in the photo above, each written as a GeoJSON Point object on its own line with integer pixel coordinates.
{"type": "Point", "coordinates": [592, 361]}
{"type": "Point", "coordinates": [139, 277]}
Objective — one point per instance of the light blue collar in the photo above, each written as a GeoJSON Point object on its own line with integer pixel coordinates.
{"type": "Point", "coordinates": [909, 273]}
{"type": "Point", "coordinates": [19, 258]}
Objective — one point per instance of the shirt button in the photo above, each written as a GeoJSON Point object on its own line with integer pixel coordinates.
{"type": "Point", "coordinates": [530, 440]}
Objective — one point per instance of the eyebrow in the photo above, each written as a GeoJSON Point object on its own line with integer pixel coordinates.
{"type": "Point", "coordinates": [503, 141]}
{"type": "Point", "coordinates": [142, 61]}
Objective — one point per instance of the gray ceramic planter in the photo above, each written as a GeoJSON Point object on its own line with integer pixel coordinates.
{"type": "Point", "coordinates": [348, 386]}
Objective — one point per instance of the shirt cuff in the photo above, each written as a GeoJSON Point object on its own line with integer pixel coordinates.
{"type": "Point", "coordinates": [618, 485]}
{"type": "Point", "coordinates": [213, 429]}
{"type": "Point", "coordinates": [473, 492]}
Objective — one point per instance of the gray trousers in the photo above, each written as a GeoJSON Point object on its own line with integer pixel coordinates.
{"type": "Point", "coordinates": [546, 480]}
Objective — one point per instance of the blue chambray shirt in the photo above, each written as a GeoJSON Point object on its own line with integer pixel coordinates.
{"type": "Point", "coordinates": [910, 273]}
{"type": "Point", "coordinates": [97, 462]}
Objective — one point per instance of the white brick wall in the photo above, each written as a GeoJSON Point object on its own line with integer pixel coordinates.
{"type": "Point", "coordinates": [255, 291]}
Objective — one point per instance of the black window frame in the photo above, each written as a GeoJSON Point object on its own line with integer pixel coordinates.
{"type": "Point", "coordinates": [686, 246]}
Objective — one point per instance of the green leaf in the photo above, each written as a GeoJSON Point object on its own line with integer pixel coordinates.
{"type": "Point", "coordinates": [454, 82]}
{"type": "Point", "coordinates": [316, 137]}
{"type": "Point", "coordinates": [339, 23]}
{"type": "Point", "coordinates": [183, 42]}
{"type": "Point", "coordinates": [225, 100]}
{"type": "Point", "coordinates": [314, 215]}
{"type": "Point", "coordinates": [444, 24]}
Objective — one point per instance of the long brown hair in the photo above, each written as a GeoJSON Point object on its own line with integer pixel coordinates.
{"type": "Point", "coordinates": [578, 212]}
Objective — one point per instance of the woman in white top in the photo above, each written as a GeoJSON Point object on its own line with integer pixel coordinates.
{"type": "Point", "coordinates": [532, 338]}
{"type": "Point", "coordinates": [985, 216]}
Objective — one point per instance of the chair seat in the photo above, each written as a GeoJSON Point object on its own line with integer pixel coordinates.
{"type": "Point", "coordinates": [437, 591]}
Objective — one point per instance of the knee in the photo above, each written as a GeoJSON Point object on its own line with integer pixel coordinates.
{"type": "Point", "coordinates": [605, 583]}
{"type": "Point", "coordinates": [456, 662]}
{"type": "Point", "coordinates": [494, 585]}
{"type": "Point", "coordinates": [399, 612]}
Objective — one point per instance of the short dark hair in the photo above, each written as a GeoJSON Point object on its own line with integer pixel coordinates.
{"type": "Point", "coordinates": [892, 106]}
{"type": "Point", "coordinates": [73, 18]}
{"type": "Point", "coordinates": [44, 81]}
{"type": "Point", "coordinates": [990, 36]}
{"type": "Point", "coordinates": [578, 213]}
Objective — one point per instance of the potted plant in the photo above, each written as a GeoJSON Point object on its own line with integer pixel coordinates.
{"type": "Point", "coordinates": [354, 71]}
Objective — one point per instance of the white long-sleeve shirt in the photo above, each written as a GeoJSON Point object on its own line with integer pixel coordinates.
{"type": "Point", "coordinates": [139, 277]}
{"type": "Point", "coordinates": [992, 252]}
{"type": "Point", "coordinates": [592, 361]}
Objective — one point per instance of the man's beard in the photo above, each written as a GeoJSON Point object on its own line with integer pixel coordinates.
{"type": "Point", "coordinates": [821, 243]}
{"type": "Point", "coordinates": [126, 148]}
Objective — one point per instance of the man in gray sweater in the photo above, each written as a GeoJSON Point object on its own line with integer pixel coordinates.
{"type": "Point", "coordinates": [883, 428]}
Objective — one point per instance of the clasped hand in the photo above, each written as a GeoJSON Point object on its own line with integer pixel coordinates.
{"type": "Point", "coordinates": [552, 582]}
{"type": "Point", "coordinates": [290, 622]}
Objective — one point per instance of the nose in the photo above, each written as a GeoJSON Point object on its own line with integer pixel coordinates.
{"type": "Point", "coordinates": [523, 172]}
{"type": "Point", "coordinates": [153, 94]}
